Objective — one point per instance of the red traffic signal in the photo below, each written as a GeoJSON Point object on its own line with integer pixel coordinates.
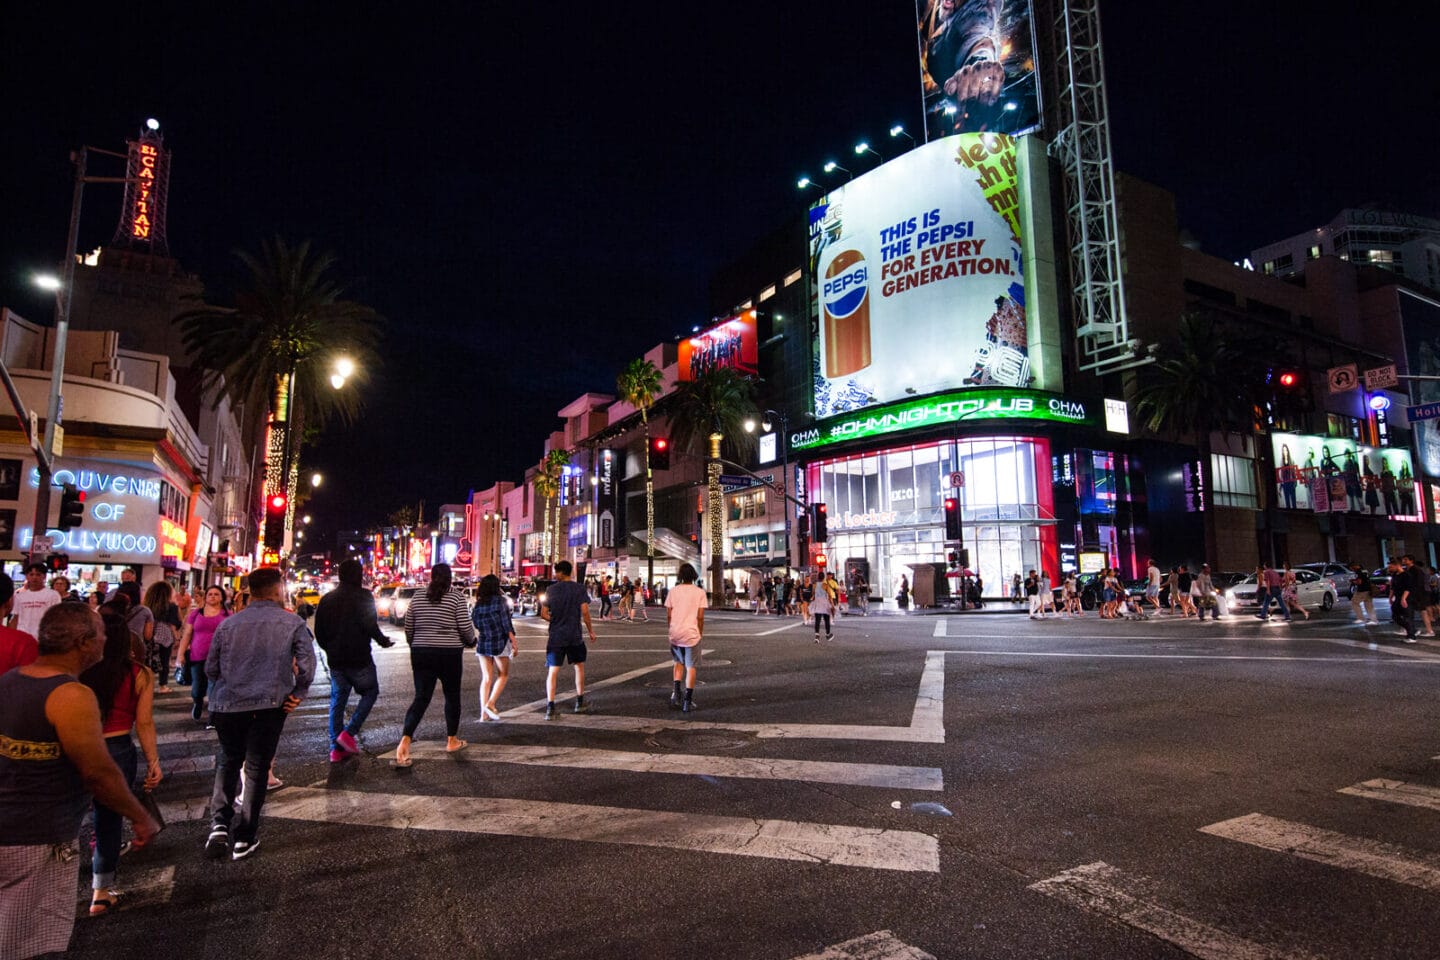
{"type": "Point", "coordinates": [277, 502]}
{"type": "Point", "coordinates": [953, 531]}
{"type": "Point", "coordinates": [821, 559]}
{"type": "Point", "coordinates": [1289, 378]}
{"type": "Point", "coordinates": [661, 443]}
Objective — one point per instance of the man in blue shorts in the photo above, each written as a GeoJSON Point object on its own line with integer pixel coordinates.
{"type": "Point", "coordinates": [566, 606]}
{"type": "Point", "coordinates": [685, 614]}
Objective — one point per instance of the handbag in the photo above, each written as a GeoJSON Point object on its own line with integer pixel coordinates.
{"type": "Point", "coordinates": [152, 807]}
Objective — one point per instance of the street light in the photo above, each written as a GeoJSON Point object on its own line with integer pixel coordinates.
{"type": "Point", "coordinates": [899, 131]}
{"type": "Point", "coordinates": [804, 183]}
{"type": "Point", "coordinates": [305, 519]}
{"type": "Point", "coordinates": [863, 148]}
{"type": "Point", "coordinates": [315, 479]}
{"type": "Point", "coordinates": [831, 166]}
{"type": "Point", "coordinates": [47, 282]}
{"type": "Point", "coordinates": [767, 423]}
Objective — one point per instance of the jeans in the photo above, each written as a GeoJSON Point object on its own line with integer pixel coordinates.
{"type": "Point", "coordinates": [247, 738]}
{"type": "Point", "coordinates": [604, 604]}
{"type": "Point", "coordinates": [431, 664]}
{"type": "Point", "coordinates": [108, 823]}
{"type": "Point", "coordinates": [364, 681]}
{"type": "Point", "coordinates": [1272, 596]}
{"type": "Point", "coordinates": [199, 682]}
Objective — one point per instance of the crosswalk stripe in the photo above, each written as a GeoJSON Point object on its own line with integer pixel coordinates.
{"type": "Point", "coordinates": [182, 811]}
{"type": "Point", "coordinates": [181, 765]}
{"type": "Point", "coordinates": [929, 713]}
{"type": "Point", "coordinates": [765, 731]}
{"type": "Point", "coordinates": [941, 628]}
{"type": "Point", "coordinates": [813, 771]}
{"type": "Point", "coordinates": [1396, 791]}
{"type": "Point", "coordinates": [625, 677]}
{"type": "Point", "coordinates": [789, 626]}
{"type": "Point", "coordinates": [830, 844]}
{"type": "Point", "coordinates": [1370, 857]}
{"type": "Point", "coordinates": [880, 945]}
{"type": "Point", "coordinates": [1102, 889]}
{"type": "Point", "coordinates": [187, 736]}
{"type": "Point", "coordinates": [145, 888]}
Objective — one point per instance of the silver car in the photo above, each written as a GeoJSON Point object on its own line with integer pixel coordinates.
{"type": "Point", "coordinates": [1312, 590]}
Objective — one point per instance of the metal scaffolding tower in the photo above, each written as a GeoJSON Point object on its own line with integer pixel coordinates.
{"type": "Point", "coordinates": [1082, 144]}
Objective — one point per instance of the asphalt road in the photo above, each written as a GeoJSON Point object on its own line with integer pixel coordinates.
{"type": "Point", "coordinates": [950, 786]}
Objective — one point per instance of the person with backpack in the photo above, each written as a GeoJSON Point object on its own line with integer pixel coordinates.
{"type": "Point", "coordinates": [159, 601]}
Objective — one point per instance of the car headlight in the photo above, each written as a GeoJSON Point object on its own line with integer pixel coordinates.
{"type": "Point", "coordinates": [1229, 596]}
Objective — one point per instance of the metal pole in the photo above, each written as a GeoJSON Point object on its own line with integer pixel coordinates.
{"type": "Point", "coordinates": [57, 372]}
{"type": "Point", "coordinates": [785, 465]}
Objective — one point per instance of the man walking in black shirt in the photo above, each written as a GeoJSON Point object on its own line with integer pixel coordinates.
{"type": "Point", "coordinates": [345, 623]}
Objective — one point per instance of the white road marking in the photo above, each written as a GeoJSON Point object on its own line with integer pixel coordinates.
{"type": "Point", "coordinates": [1370, 857]}
{"type": "Point", "coordinates": [831, 844]}
{"type": "Point", "coordinates": [181, 811]}
{"type": "Point", "coordinates": [789, 626]}
{"type": "Point", "coordinates": [880, 945]}
{"type": "Point", "coordinates": [187, 736]}
{"type": "Point", "coordinates": [1396, 791]}
{"type": "Point", "coordinates": [1102, 889]}
{"type": "Point", "coordinates": [1180, 656]}
{"type": "Point", "coordinates": [1412, 651]}
{"type": "Point", "coordinates": [941, 628]}
{"type": "Point", "coordinates": [929, 712]}
{"type": "Point", "coordinates": [626, 677]}
{"type": "Point", "coordinates": [181, 765]}
{"type": "Point", "coordinates": [848, 774]}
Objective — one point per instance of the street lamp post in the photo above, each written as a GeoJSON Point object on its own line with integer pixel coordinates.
{"type": "Point", "coordinates": [768, 424]}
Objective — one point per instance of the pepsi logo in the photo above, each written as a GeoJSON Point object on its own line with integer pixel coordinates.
{"type": "Point", "coordinates": [843, 293]}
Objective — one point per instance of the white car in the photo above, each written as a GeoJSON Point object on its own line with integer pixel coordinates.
{"type": "Point", "coordinates": [1312, 589]}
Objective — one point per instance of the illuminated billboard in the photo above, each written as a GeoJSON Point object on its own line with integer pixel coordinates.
{"type": "Point", "coordinates": [731, 343]}
{"type": "Point", "coordinates": [1334, 474]}
{"type": "Point", "coordinates": [918, 277]}
{"type": "Point", "coordinates": [977, 67]}
{"type": "Point", "coordinates": [122, 514]}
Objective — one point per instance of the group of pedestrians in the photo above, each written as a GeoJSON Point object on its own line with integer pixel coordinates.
{"type": "Point", "coordinates": [1414, 597]}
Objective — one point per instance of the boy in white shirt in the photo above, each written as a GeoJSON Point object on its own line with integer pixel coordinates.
{"type": "Point", "coordinates": [685, 615]}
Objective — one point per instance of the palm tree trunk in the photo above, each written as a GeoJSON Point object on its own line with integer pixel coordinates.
{"type": "Point", "coordinates": [649, 508]}
{"type": "Point", "coordinates": [714, 506]}
{"type": "Point", "coordinates": [1207, 480]}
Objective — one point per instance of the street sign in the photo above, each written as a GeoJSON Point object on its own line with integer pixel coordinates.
{"type": "Point", "coordinates": [957, 479]}
{"type": "Point", "coordinates": [58, 450]}
{"type": "Point", "coordinates": [42, 545]}
{"type": "Point", "coordinates": [1381, 378]}
{"type": "Point", "coordinates": [1344, 378]}
{"type": "Point", "coordinates": [1425, 411]}
{"type": "Point", "coordinates": [34, 431]}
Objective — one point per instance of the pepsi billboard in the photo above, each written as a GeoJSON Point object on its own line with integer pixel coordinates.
{"type": "Point", "coordinates": [919, 284]}
{"type": "Point", "coordinates": [977, 67]}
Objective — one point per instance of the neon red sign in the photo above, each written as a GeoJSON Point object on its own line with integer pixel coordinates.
{"type": "Point", "coordinates": [140, 217]}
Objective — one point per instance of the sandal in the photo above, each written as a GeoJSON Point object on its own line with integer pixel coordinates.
{"type": "Point", "coordinates": [98, 908]}
{"type": "Point", "coordinates": [407, 762]}
{"type": "Point", "coordinates": [457, 749]}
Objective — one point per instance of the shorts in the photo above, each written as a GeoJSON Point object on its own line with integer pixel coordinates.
{"type": "Point", "coordinates": [1108, 595]}
{"type": "Point", "coordinates": [686, 656]}
{"type": "Point", "coordinates": [1152, 592]}
{"type": "Point", "coordinates": [575, 653]}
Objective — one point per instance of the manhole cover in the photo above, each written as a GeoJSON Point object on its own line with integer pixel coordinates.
{"type": "Point", "coordinates": [698, 740]}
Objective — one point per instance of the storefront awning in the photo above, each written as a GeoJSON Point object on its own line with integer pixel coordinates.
{"type": "Point", "coordinates": [671, 544]}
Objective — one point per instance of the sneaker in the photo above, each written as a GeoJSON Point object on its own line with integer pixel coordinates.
{"type": "Point", "coordinates": [338, 756]}
{"type": "Point", "coordinates": [1401, 633]}
{"type": "Point", "coordinates": [1411, 640]}
{"type": "Point", "coordinates": [581, 706]}
{"type": "Point", "coordinates": [196, 710]}
{"type": "Point", "coordinates": [550, 712]}
{"type": "Point", "coordinates": [1372, 623]}
{"type": "Point", "coordinates": [241, 850]}
{"type": "Point", "coordinates": [829, 637]}
{"type": "Point", "coordinates": [346, 742]}
{"type": "Point", "coordinates": [817, 638]}
{"type": "Point", "coordinates": [217, 843]}
{"type": "Point", "coordinates": [1428, 633]}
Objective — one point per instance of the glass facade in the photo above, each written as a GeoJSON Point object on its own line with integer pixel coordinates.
{"type": "Point", "coordinates": [886, 508]}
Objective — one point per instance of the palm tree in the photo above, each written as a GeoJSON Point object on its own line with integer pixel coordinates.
{"type": "Point", "coordinates": [1206, 381]}
{"type": "Point", "coordinates": [638, 385]}
{"type": "Point", "coordinates": [278, 346]}
{"type": "Point", "coordinates": [713, 408]}
{"type": "Point", "coordinates": [547, 484]}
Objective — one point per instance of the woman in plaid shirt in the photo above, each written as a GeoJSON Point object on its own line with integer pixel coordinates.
{"type": "Point", "coordinates": [495, 643]}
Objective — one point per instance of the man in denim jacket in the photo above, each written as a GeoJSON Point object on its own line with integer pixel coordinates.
{"type": "Point", "coordinates": [261, 663]}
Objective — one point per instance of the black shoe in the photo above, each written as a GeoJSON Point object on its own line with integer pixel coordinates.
{"type": "Point", "coordinates": [196, 710]}
{"type": "Point", "coordinates": [217, 844]}
{"type": "Point", "coordinates": [242, 849]}
{"type": "Point", "coordinates": [550, 712]}
{"type": "Point", "coordinates": [675, 701]}
{"type": "Point", "coordinates": [687, 706]}
{"type": "Point", "coordinates": [581, 706]}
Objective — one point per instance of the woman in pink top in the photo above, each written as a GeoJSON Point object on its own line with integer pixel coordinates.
{"type": "Point", "coordinates": [200, 627]}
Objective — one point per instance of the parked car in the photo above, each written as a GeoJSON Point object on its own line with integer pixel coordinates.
{"type": "Point", "coordinates": [1380, 583]}
{"type": "Point", "coordinates": [1337, 572]}
{"type": "Point", "coordinates": [384, 598]}
{"type": "Point", "coordinates": [1312, 589]}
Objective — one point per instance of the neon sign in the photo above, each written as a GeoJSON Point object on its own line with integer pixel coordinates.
{"type": "Point", "coordinates": [140, 222]}
{"type": "Point", "coordinates": [172, 540]}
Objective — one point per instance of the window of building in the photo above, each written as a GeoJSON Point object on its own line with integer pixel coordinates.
{"type": "Point", "coordinates": [1268, 268]}
{"type": "Point", "coordinates": [748, 506]}
{"type": "Point", "coordinates": [1234, 481]}
{"type": "Point", "coordinates": [1313, 253]}
{"type": "Point", "coordinates": [792, 276]}
{"type": "Point", "coordinates": [767, 293]}
{"type": "Point", "coordinates": [1285, 262]}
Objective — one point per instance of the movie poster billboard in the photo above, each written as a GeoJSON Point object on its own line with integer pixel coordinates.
{"type": "Point", "coordinates": [732, 343]}
{"type": "Point", "coordinates": [1335, 474]}
{"type": "Point", "coordinates": [918, 277]}
{"type": "Point", "coordinates": [977, 67]}
{"type": "Point", "coordinates": [1420, 319]}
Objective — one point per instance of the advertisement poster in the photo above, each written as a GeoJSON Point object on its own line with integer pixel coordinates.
{"type": "Point", "coordinates": [1420, 319]}
{"type": "Point", "coordinates": [1336, 474]}
{"type": "Point", "coordinates": [732, 343]}
{"type": "Point", "coordinates": [977, 67]}
{"type": "Point", "coordinates": [122, 512]}
{"type": "Point", "coordinates": [918, 273]}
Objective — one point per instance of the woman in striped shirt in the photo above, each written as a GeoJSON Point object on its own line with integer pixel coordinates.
{"type": "Point", "coordinates": [438, 629]}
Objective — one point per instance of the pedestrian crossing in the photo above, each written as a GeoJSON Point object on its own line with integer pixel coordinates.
{"type": "Point", "coordinates": [1139, 902]}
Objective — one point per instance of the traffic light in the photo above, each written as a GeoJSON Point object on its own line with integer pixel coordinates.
{"type": "Point", "coordinates": [659, 453]}
{"type": "Point", "coordinates": [1288, 379]}
{"type": "Point", "coordinates": [952, 518]}
{"type": "Point", "coordinates": [802, 526]}
{"type": "Point", "coordinates": [72, 507]}
{"type": "Point", "coordinates": [57, 562]}
{"type": "Point", "coordinates": [821, 532]}
{"type": "Point", "coordinates": [275, 520]}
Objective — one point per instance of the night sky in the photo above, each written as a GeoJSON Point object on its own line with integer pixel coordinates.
{"type": "Point", "coordinates": [534, 194]}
